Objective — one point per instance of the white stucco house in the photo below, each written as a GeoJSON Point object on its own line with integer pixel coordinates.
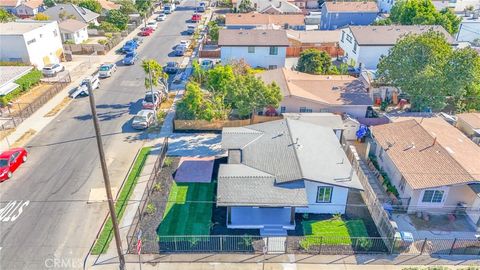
{"type": "Point", "coordinates": [279, 168]}
{"type": "Point", "coordinates": [364, 45]}
{"type": "Point", "coordinates": [259, 48]}
{"type": "Point", "coordinates": [73, 31]}
{"type": "Point", "coordinates": [34, 42]}
{"type": "Point", "coordinates": [307, 93]}
{"type": "Point", "coordinates": [433, 165]}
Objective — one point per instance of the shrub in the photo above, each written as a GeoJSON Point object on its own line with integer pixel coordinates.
{"type": "Point", "coordinates": [102, 41]}
{"type": "Point", "coordinates": [29, 80]}
{"type": "Point", "coordinates": [157, 187]}
{"type": "Point", "coordinates": [167, 162]}
{"type": "Point", "coordinates": [151, 209]}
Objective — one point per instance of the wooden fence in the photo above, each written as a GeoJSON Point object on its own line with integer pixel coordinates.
{"type": "Point", "coordinates": [217, 125]}
{"type": "Point", "coordinates": [295, 51]}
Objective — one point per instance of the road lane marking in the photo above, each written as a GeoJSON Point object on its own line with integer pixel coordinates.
{"type": "Point", "coordinates": [12, 210]}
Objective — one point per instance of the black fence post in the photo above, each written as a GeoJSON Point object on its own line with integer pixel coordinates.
{"type": "Point", "coordinates": [423, 246]}
{"type": "Point", "coordinates": [453, 245]}
{"type": "Point", "coordinates": [320, 247]}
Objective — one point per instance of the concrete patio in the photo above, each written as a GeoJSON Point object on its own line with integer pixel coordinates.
{"type": "Point", "coordinates": [195, 170]}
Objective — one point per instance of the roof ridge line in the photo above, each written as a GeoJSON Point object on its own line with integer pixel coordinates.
{"type": "Point", "coordinates": [294, 148]}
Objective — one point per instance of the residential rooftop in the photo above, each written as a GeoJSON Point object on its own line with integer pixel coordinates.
{"type": "Point", "coordinates": [71, 25]}
{"type": "Point", "coordinates": [324, 89]}
{"type": "Point", "coordinates": [255, 18]}
{"type": "Point", "coordinates": [472, 119]}
{"type": "Point", "coordinates": [419, 156]}
{"type": "Point", "coordinates": [252, 37]}
{"type": "Point", "coordinates": [21, 27]}
{"type": "Point", "coordinates": [354, 7]}
{"type": "Point", "coordinates": [8, 75]}
{"type": "Point", "coordinates": [80, 13]}
{"type": "Point", "coordinates": [389, 34]}
{"type": "Point", "coordinates": [320, 36]}
{"type": "Point", "coordinates": [333, 121]}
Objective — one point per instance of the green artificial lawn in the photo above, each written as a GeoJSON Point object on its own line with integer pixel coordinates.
{"type": "Point", "coordinates": [106, 235]}
{"type": "Point", "coordinates": [189, 210]}
{"type": "Point", "coordinates": [332, 231]}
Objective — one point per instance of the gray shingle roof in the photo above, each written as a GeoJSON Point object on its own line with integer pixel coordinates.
{"type": "Point", "coordinates": [286, 153]}
{"type": "Point", "coordinates": [80, 13]}
{"type": "Point", "coordinates": [330, 120]}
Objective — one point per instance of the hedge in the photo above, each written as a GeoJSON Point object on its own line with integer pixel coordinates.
{"type": "Point", "coordinates": [25, 83]}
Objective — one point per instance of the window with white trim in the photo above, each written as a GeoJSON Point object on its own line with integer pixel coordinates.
{"type": "Point", "coordinates": [251, 49]}
{"type": "Point", "coordinates": [324, 194]}
{"type": "Point", "coordinates": [433, 196]}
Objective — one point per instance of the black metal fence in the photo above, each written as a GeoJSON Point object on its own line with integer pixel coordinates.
{"type": "Point", "coordinates": [157, 168]}
{"type": "Point", "coordinates": [16, 113]}
{"type": "Point", "coordinates": [332, 245]}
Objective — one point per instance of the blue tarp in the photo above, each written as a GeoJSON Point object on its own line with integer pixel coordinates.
{"type": "Point", "coordinates": [362, 131]}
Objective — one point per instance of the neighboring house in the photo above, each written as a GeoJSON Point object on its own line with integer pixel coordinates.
{"type": "Point", "coordinates": [469, 123]}
{"type": "Point", "coordinates": [469, 29]}
{"type": "Point", "coordinates": [432, 164]}
{"type": "Point", "coordinates": [327, 41]}
{"type": "Point", "coordinates": [29, 8]}
{"type": "Point", "coordinates": [258, 20]}
{"type": "Point", "coordinates": [258, 48]}
{"type": "Point", "coordinates": [8, 76]}
{"type": "Point", "coordinates": [10, 5]}
{"type": "Point", "coordinates": [73, 31]}
{"type": "Point", "coordinates": [34, 42]}
{"type": "Point", "coordinates": [306, 93]}
{"type": "Point", "coordinates": [364, 45]}
{"type": "Point", "coordinates": [62, 12]}
{"type": "Point", "coordinates": [272, 6]}
{"type": "Point", "coordinates": [339, 14]}
{"type": "Point", "coordinates": [279, 168]}
{"type": "Point", "coordinates": [305, 4]}
{"type": "Point", "coordinates": [330, 120]}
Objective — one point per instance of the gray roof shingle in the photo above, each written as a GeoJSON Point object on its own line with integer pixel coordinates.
{"type": "Point", "coordinates": [80, 13]}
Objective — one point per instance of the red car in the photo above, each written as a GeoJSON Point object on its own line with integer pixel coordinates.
{"type": "Point", "coordinates": [196, 17]}
{"type": "Point", "coordinates": [10, 161]}
{"type": "Point", "coordinates": [147, 31]}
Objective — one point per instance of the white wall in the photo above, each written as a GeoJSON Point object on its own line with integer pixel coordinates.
{"type": "Point", "coordinates": [261, 57]}
{"type": "Point", "coordinates": [47, 43]}
{"type": "Point", "coordinates": [337, 205]}
{"type": "Point", "coordinates": [77, 37]}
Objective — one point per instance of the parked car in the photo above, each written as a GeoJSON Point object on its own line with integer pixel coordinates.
{"type": "Point", "coordinates": [162, 17]}
{"type": "Point", "coordinates": [190, 29]}
{"type": "Point", "coordinates": [196, 17]}
{"type": "Point", "coordinates": [138, 40]}
{"type": "Point", "coordinates": [143, 119]}
{"type": "Point", "coordinates": [151, 101]}
{"type": "Point", "coordinates": [152, 24]}
{"type": "Point", "coordinates": [106, 70]}
{"type": "Point", "coordinates": [130, 46]}
{"type": "Point", "coordinates": [206, 64]}
{"type": "Point", "coordinates": [180, 50]}
{"type": "Point", "coordinates": [171, 67]}
{"type": "Point", "coordinates": [82, 89]}
{"type": "Point", "coordinates": [185, 43]}
{"type": "Point", "coordinates": [10, 161]}
{"type": "Point", "coordinates": [52, 70]}
{"type": "Point", "coordinates": [147, 31]}
{"type": "Point", "coordinates": [130, 58]}
{"type": "Point", "coordinates": [201, 7]}
{"type": "Point", "coordinates": [167, 9]}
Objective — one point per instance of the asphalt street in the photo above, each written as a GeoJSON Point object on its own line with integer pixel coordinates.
{"type": "Point", "coordinates": [50, 219]}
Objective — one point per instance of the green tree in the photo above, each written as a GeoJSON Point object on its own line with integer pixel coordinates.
{"type": "Point", "coordinates": [194, 104]}
{"type": "Point", "coordinates": [143, 6]}
{"type": "Point", "coordinates": [127, 7]}
{"type": "Point", "coordinates": [426, 68]}
{"type": "Point", "coordinates": [156, 71]}
{"type": "Point", "coordinates": [423, 12]}
{"type": "Point", "coordinates": [199, 75]}
{"type": "Point", "coordinates": [251, 94]}
{"type": "Point", "coordinates": [41, 17]}
{"type": "Point", "coordinates": [92, 5]}
{"type": "Point", "coordinates": [219, 80]}
{"type": "Point", "coordinates": [213, 31]}
{"type": "Point", "coordinates": [49, 3]}
{"type": "Point", "coordinates": [5, 16]}
{"type": "Point", "coordinates": [314, 62]}
{"type": "Point", "coordinates": [245, 6]}
{"type": "Point", "coordinates": [117, 18]}
{"type": "Point", "coordinates": [108, 27]}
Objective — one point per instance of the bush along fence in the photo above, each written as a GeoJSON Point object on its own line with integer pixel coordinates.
{"type": "Point", "coordinates": [331, 245]}
{"type": "Point", "coordinates": [16, 113]}
{"type": "Point", "coordinates": [157, 168]}
{"type": "Point", "coordinates": [217, 125]}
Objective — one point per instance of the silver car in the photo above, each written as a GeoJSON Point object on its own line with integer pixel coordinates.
{"type": "Point", "coordinates": [143, 119]}
{"type": "Point", "coordinates": [106, 70]}
{"type": "Point", "coordinates": [52, 70]}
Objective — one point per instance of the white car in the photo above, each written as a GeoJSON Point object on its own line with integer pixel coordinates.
{"type": "Point", "coordinates": [143, 119]}
{"type": "Point", "coordinates": [152, 24]}
{"type": "Point", "coordinates": [52, 70]}
{"type": "Point", "coordinates": [185, 43]}
{"type": "Point", "coordinates": [106, 70]}
{"type": "Point", "coordinates": [161, 17]}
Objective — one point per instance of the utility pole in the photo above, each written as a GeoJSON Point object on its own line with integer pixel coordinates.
{"type": "Point", "coordinates": [154, 97]}
{"type": "Point", "coordinates": [106, 178]}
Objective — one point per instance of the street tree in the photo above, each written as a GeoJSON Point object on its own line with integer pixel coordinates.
{"type": "Point", "coordinates": [41, 17]}
{"type": "Point", "coordinates": [92, 5]}
{"type": "Point", "coordinates": [213, 31]}
{"type": "Point", "coordinates": [5, 16]}
{"type": "Point", "coordinates": [314, 62]}
{"type": "Point", "coordinates": [49, 3]}
{"type": "Point", "coordinates": [426, 68]}
{"type": "Point", "coordinates": [117, 18]}
{"type": "Point", "coordinates": [245, 6]}
{"type": "Point", "coordinates": [151, 66]}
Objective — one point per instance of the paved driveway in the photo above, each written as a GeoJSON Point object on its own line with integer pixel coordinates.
{"type": "Point", "coordinates": [194, 144]}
